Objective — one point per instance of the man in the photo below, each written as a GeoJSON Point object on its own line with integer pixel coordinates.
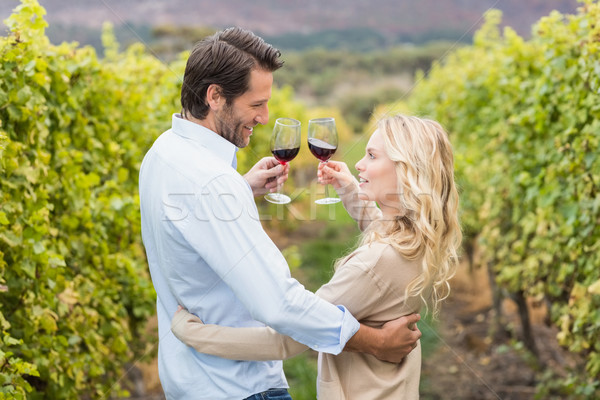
{"type": "Point", "coordinates": [206, 247]}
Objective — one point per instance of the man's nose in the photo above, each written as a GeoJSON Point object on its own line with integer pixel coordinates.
{"type": "Point", "coordinates": [263, 115]}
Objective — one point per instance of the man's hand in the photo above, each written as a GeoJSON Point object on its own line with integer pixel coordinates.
{"type": "Point", "coordinates": [266, 175]}
{"type": "Point", "coordinates": [392, 342]}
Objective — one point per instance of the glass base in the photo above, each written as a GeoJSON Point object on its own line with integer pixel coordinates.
{"type": "Point", "coordinates": [328, 200]}
{"type": "Point", "coordinates": [277, 198]}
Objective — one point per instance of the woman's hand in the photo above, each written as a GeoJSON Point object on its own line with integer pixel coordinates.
{"type": "Point", "coordinates": [183, 321]}
{"type": "Point", "coordinates": [336, 173]}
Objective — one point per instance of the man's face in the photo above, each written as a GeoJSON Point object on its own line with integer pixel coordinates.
{"type": "Point", "coordinates": [236, 121]}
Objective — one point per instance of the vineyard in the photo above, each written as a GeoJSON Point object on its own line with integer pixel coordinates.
{"type": "Point", "coordinates": [525, 122]}
{"type": "Point", "coordinates": [75, 292]}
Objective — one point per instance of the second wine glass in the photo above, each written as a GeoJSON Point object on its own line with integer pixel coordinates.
{"type": "Point", "coordinates": [323, 142]}
{"type": "Point", "coordinates": [285, 145]}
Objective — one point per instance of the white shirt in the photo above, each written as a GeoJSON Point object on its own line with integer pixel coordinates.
{"type": "Point", "coordinates": [208, 252]}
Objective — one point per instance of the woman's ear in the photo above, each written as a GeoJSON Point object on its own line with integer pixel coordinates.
{"type": "Point", "coordinates": [214, 98]}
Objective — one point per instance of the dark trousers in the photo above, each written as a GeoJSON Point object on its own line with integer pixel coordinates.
{"type": "Point", "coordinates": [271, 394]}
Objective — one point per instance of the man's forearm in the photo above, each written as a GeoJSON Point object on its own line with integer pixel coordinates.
{"type": "Point", "coordinates": [365, 340]}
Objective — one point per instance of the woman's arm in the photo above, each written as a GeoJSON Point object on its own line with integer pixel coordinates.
{"type": "Point", "coordinates": [354, 284]}
{"type": "Point", "coordinates": [258, 344]}
{"type": "Point", "coordinates": [337, 174]}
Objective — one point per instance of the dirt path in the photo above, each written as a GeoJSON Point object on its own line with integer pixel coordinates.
{"type": "Point", "coordinates": [469, 364]}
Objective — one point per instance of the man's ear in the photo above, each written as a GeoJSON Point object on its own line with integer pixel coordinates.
{"type": "Point", "coordinates": [214, 97]}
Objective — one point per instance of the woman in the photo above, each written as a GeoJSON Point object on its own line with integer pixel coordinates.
{"type": "Point", "coordinates": [405, 257]}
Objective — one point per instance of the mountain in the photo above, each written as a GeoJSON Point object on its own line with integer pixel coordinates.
{"type": "Point", "coordinates": [392, 19]}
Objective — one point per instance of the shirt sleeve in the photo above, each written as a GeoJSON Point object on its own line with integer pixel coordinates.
{"type": "Point", "coordinates": [362, 211]}
{"type": "Point", "coordinates": [354, 284]}
{"type": "Point", "coordinates": [223, 226]}
{"type": "Point", "coordinates": [256, 343]}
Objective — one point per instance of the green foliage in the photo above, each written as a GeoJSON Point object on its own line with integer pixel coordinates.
{"type": "Point", "coordinates": [317, 73]}
{"type": "Point", "coordinates": [74, 284]}
{"type": "Point", "coordinates": [3, 139]}
{"type": "Point", "coordinates": [90, 35]}
{"type": "Point", "coordinates": [524, 118]}
{"type": "Point", "coordinates": [358, 108]}
{"type": "Point", "coordinates": [301, 373]}
{"type": "Point", "coordinates": [355, 39]}
{"type": "Point", "coordinates": [76, 292]}
{"type": "Point", "coordinates": [169, 40]}
{"type": "Point", "coordinates": [13, 369]}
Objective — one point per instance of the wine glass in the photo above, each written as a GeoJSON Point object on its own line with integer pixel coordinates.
{"type": "Point", "coordinates": [285, 145]}
{"type": "Point", "coordinates": [322, 142]}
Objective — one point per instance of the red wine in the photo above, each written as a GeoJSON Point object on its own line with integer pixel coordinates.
{"type": "Point", "coordinates": [321, 149]}
{"type": "Point", "coordinates": [285, 155]}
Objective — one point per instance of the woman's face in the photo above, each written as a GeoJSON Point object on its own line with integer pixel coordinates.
{"type": "Point", "coordinates": [377, 176]}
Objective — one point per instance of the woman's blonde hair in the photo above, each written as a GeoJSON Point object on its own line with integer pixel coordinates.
{"type": "Point", "coordinates": [427, 226]}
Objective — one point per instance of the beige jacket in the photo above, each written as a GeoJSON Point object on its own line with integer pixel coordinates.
{"type": "Point", "coordinates": [370, 283]}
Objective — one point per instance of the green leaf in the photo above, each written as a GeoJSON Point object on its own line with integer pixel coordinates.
{"type": "Point", "coordinates": [594, 288]}
{"type": "Point", "coordinates": [3, 219]}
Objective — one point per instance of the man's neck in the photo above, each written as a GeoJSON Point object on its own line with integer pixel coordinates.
{"type": "Point", "coordinates": [206, 122]}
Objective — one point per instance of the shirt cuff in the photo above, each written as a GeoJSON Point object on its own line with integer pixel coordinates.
{"type": "Point", "coordinates": [349, 327]}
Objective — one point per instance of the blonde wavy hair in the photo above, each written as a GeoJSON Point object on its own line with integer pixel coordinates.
{"type": "Point", "coordinates": [427, 225]}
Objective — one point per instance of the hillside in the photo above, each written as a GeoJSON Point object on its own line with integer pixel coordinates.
{"type": "Point", "coordinates": [391, 18]}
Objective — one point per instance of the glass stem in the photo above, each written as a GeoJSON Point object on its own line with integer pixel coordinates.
{"type": "Point", "coordinates": [277, 181]}
{"type": "Point", "coordinates": [326, 186]}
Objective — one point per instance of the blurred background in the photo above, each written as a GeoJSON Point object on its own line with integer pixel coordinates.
{"type": "Point", "coordinates": [348, 54]}
{"type": "Point", "coordinates": [501, 335]}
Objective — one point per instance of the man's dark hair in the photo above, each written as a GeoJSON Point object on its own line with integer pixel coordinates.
{"type": "Point", "coordinates": [226, 59]}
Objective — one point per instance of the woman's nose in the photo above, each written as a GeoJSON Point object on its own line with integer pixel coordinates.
{"type": "Point", "coordinates": [358, 165]}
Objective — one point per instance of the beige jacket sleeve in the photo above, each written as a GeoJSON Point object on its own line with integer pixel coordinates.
{"type": "Point", "coordinates": [258, 344]}
{"type": "Point", "coordinates": [363, 212]}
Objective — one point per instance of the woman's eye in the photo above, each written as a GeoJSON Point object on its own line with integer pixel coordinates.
{"type": "Point", "coordinates": [371, 156]}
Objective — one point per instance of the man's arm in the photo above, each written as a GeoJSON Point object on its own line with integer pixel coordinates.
{"type": "Point", "coordinates": [223, 226]}
{"type": "Point", "coordinates": [266, 175]}
{"type": "Point", "coordinates": [392, 342]}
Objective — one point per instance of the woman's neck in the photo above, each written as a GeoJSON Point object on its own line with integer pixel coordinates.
{"type": "Point", "coordinates": [391, 209]}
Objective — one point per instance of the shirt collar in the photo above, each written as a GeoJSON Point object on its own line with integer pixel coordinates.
{"type": "Point", "coordinates": [223, 148]}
